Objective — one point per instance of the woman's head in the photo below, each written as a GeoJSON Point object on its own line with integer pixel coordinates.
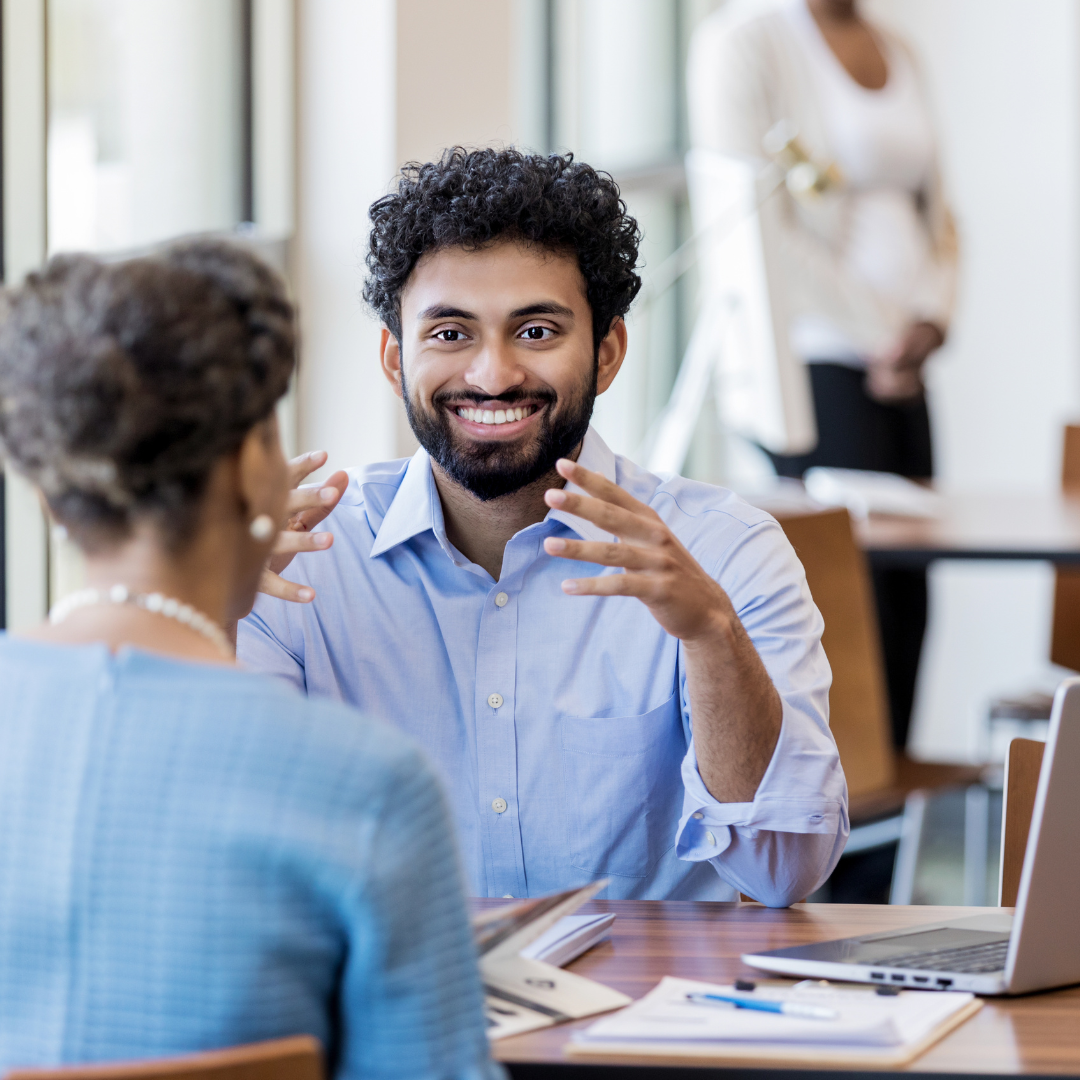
{"type": "Point", "coordinates": [124, 386]}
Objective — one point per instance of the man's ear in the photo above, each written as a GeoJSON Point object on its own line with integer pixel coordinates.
{"type": "Point", "coordinates": [390, 358]}
{"type": "Point", "coordinates": [611, 354]}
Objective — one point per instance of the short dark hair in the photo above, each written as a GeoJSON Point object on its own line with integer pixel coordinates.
{"type": "Point", "coordinates": [122, 384]}
{"type": "Point", "coordinates": [471, 198]}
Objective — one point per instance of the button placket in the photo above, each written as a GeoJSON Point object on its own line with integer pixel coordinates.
{"type": "Point", "coordinates": [496, 737]}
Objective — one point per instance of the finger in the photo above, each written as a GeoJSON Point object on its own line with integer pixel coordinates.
{"type": "Point", "coordinates": [289, 542]}
{"type": "Point", "coordinates": [311, 504]}
{"type": "Point", "coordinates": [305, 465]}
{"type": "Point", "coordinates": [598, 486]}
{"type": "Point", "coordinates": [609, 585]}
{"type": "Point", "coordinates": [628, 556]}
{"type": "Point", "coordinates": [284, 589]}
{"type": "Point", "coordinates": [630, 525]}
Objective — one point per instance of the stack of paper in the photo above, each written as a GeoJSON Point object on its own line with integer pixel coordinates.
{"type": "Point", "coordinates": [569, 938]}
{"type": "Point", "coordinates": [866, 1027]}
{"type": "Point", "coordinates": [523, 993]}
{"type": "Point", "coordinates": [864, 493]}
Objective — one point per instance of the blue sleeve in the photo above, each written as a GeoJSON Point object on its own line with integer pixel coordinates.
{"type": "Point", "coordinates": [411, 1000]}
{"type": "Point", "coordinates": [261, 643]}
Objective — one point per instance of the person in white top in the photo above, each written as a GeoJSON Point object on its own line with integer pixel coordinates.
{"type": "Point", "coordinates": [870, 263]}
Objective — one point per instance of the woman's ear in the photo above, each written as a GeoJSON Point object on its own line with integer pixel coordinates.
{"type": "Point", "coordinates": [610, 355]}
{"type": "Point", "coordinates": [261, 472]}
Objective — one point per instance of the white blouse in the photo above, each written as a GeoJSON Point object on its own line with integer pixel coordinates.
{"type": "Point", "coordinates": [864, 261]}
{"type": "Point", "coordinates": [883, 143]}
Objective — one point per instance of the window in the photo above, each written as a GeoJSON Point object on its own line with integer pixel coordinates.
{"type": "Point", "coordinates": [615, 95]}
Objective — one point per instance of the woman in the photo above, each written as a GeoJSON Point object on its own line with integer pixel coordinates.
{"type": "Point", "coordinates": [192, 856]}
{"type": "Point", "coordinates": [871, 260]}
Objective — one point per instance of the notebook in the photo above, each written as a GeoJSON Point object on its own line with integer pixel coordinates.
{"type": "Point", "coordinates": [868, 1029]}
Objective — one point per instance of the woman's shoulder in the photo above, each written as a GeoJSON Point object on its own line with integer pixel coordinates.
{"type": "Point", "coordinates": [255, 718]}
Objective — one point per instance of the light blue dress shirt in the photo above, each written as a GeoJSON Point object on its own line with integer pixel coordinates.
{"type": "Point", "coordinates": [561, 723]}
{"type": "Point", "coordinates": [192, 857]}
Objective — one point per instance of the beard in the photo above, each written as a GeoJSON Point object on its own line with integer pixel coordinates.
{"type": "Point", "coordinates": [490, 470]}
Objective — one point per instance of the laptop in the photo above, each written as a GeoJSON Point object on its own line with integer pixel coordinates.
{"type": "Point", "coordinates": [1036, 948]}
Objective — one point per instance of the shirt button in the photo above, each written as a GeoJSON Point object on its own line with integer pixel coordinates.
{"type": "Point", "coordinates": [495, 700]}
{"type": "Point", "coordinates": [698, 815]}
{"type": "Point", "coordinates": [711, 839]}
{"type": "Point", "coordinates": [498, 805]}
{"type": "Point", "coordinates": [508, 896]}
{"type": "Point", "coordinates": [501, 600]}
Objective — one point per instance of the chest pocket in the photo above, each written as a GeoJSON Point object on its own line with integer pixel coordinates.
{"type": "Point", "coordinates": [623, 788]}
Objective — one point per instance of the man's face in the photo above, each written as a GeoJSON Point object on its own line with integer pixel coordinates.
{"type": "Point", "coordinates": [496, 365]}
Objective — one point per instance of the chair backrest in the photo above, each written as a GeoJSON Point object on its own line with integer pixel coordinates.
{"type": "Point", "coordinates": [1022, 765]}
{"type": "Point", "coordinates": [296, 1058]}
{"type": "Point", "coordinates": [839, 581]}
{"type": "Point", "coordinates": [1065, 634]}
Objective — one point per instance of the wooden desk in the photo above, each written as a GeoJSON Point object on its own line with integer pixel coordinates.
{"type": "Point", "coordinates": [978, 526]}
{"type": "Point", "coordinates": [970, 526]}
{"type": "Point", "coordinates": [1037, 1035]}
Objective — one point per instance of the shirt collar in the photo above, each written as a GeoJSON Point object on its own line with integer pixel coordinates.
{"type": "Point", "coordinates": [596, 456]}
{"type": "Point", "coordinates": [416, 507]}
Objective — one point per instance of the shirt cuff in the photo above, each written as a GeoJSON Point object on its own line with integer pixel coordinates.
{"type": "Point", "coordinates": [705, 826]}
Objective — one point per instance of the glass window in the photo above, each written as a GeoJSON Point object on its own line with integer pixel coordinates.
{"type": "Point", "coordinates": [147, 136]}
{"type": "Point", "coordinates": [616, 97]}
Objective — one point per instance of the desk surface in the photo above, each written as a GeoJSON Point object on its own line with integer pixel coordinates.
{"type": "Point", "coordinates": [981, 526]}
{"type": "Point", "coordinates": [1037, 1034]}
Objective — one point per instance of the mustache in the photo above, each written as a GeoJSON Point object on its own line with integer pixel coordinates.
{"type": "Point", "coordinates": [509, 397]}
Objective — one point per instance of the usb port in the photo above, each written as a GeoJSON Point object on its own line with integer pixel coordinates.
{"type": "Point", "coordinates": [944, 983]}
{"type": "Point", "coordinates": [897, 978]}
{"type": "Point", "coordinates": [877, 974]}
{"type": "Point", "coordinates": [919, 979]}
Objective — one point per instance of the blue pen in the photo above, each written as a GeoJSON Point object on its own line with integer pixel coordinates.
{"type": "Point", "coordinates": [788, 1008]}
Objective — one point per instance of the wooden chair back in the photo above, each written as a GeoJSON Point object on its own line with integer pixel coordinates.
{"type": "Point", "coordinates": [296, 1058]}
{"type": "Point", "coordinates": [839, 581]}
{"type": "Point", "coordinates": [1022, 766]}
{"type": "Point", "coordinates": [1065, 633]}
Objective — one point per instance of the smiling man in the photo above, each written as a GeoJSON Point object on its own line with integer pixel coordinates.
{"type": "Point", "coordinates": [618, 675]}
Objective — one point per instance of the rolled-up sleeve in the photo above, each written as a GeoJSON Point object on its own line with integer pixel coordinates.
{"type": "Point", "coordinates": [782, 845]}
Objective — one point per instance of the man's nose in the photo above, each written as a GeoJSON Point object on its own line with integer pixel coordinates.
{"type": "Point", "coordinates": [494, 369]}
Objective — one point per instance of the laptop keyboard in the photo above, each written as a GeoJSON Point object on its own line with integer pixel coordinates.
{"type": "Point", "coordinates": [968, 960]}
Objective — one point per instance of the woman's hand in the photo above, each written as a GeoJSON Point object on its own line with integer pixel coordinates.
{"type": "Point", "coordinates": [897, 376]}
{"type": "Point", "coordinates": [307, 506]}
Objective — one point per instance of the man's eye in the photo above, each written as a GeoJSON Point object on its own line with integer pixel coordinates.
{"type": "Point", "coordinates": [537, 333]}
{"type": "Point", "coordinates": [450, 335]}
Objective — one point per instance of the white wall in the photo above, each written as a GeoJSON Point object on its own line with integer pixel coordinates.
{"type": "Point", "coordinates": [1003, 77]}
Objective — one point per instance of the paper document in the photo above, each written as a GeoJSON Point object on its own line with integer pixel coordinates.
{"type": "Point", "coordinates": [864, 492]}
{"type": "Point", "coordinates": [569, 938]}
{"type": "Point", "coordinates": [522, 993]}
{"type": "Point", "coordinates": [863, 1018]}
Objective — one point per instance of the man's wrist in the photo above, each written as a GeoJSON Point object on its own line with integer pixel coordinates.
{"type": "Point", "coordinates": [718, 631]}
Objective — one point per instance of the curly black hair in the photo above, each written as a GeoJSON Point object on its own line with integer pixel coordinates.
{"type": "Point", "coordinates": [122, 384]}
{"type": "Point", "coordinates": [471, 197]}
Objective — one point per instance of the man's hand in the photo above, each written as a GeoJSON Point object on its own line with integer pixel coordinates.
{"type": "Point", "coordinates": [660, 572]}
{"type": "Point", "coordinates": [897, 376]}
{"type": "Point", "coordinates": [307, 506]}
{"type": "Point", "coordinates": [736, 709]}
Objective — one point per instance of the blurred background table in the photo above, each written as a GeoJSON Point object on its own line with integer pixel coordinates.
{"type": "Point", "coordinates": [978, 526]}
{"type": "Point", "coordinates": [1034, 1035]}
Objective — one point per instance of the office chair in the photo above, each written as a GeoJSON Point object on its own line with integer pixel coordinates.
{"type": "Point", "coordinates": [296, 1058]}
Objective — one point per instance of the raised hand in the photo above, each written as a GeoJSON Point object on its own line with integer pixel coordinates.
{"type": "Point", "coordinates": [659, 570]}
{"type": "Point", "coordinates": [736, 709]}
{"type": "Point", "coordinates": [307, 506]}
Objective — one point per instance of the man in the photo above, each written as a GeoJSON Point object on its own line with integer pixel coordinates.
{"type": "Point", "coordinates": [618, 676]}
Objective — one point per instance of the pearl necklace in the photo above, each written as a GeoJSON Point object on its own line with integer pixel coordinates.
{"type": "Point", "coordinates": [153, 602]}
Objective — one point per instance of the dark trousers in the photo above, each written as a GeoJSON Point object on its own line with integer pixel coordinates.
{"type": "Point", "coordinates": [856, 432]}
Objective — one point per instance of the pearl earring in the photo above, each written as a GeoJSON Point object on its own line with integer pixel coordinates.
{"type": "Point", "coordinates": [262, 528]}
